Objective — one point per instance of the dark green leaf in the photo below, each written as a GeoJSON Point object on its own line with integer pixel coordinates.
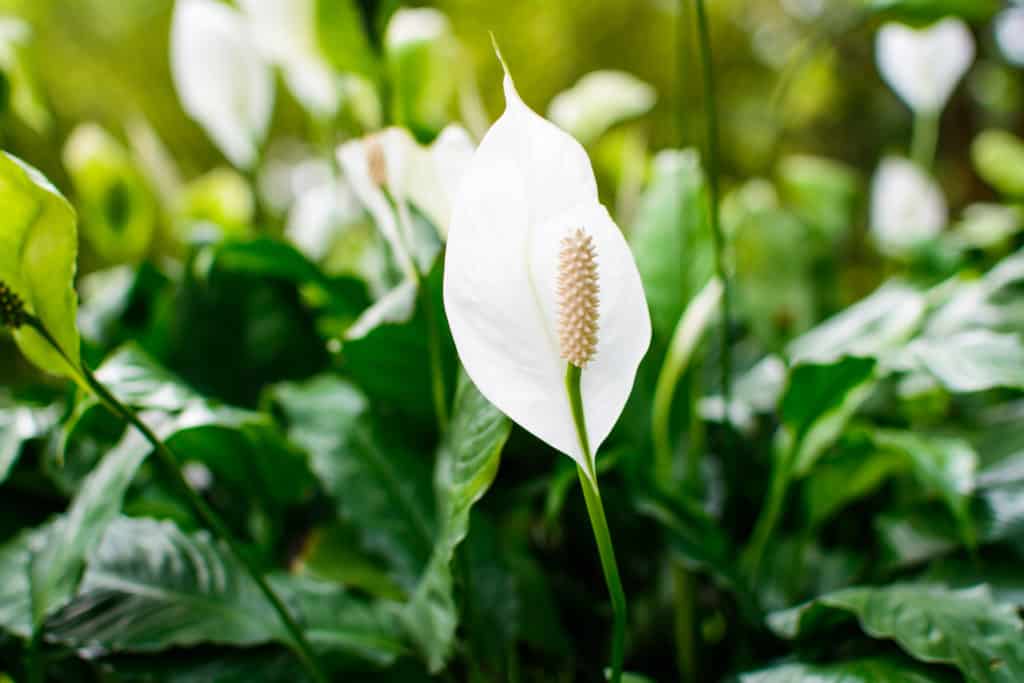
{"type": "Point", "coordinates": [963, 628]}
{"type": "Point", "coordinates": [379, 486]}
{"type": "Point", "coordinates": [875, 670]}
{"type": "Point", "coordinates": [467, 464]}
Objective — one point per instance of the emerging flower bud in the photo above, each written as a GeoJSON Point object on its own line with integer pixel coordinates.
{"type": "Point", "coordinates": [578, 298]}
{"type": "Point", "coordinates": [12, 308]}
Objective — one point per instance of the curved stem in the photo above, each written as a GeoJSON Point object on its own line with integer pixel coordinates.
{"type": "Point", "coordinates": [595, 509]}
{"type": "Point", "coordinates": [766, 522]}
{"type": "Point", "coordinates": [925, 139]}
{"type": "Point", "coordinates": [712, 158]}
{"type": "Point", "coordinates": [302, 648]}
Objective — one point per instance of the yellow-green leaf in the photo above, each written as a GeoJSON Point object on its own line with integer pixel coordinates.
{"type": "Point", "coordinates": [38, 250]}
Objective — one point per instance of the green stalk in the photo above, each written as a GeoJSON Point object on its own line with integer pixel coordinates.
{"type": "Point", "coordinates": [303, 650]}
{"type": "Point", "coordinates": [925, 139]}
{"type": "Point", "coordinates": [714, 194]}
{"type": "Point", "coordinates": [767, 521]}
{"type": "Point", "coordinates": [595, 508]}
{"type": "Point", "coordinates": [683, 585]}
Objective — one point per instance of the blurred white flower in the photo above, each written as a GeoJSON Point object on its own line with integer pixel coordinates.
{"type": "Point", "coordinates": [317, 215]}
{"type": "Point", "coordinates": [223, 82]}
{"type": "Point", "coordinates": [415, 25]}
{"type": "Point", "coordinates": [924, 66]}
{"type": "Point", "coordinates": [285, 31]}
{"type": "Point", "coordinates": [527, 215]}
{"type": "Point", "coordinates": [389, 171]}
{"type": "Point", "coordinates": [1009, 30]}
{"type": "Point", "coordinates": [598, 101]}
{"type": "Point", "coordinates": [907, 207]}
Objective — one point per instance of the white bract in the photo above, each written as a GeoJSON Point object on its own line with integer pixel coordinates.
{"type": "Point", "coordinates": [1009, 30]}
{"type": "Point", "coordinates": [223, 82]}
{"type": "Point", "coordinates": [389, 171]}
{"type": "Point", "coordinates": [285, 31]}
{"type": "Point", "coordinates": [907, 207]}
{"type": "Point", "coordinates": [600, 100]}
{"type": "Point", "coordinates": [924, 66]}
{"type": "Point", "coordinates": [528, 187]}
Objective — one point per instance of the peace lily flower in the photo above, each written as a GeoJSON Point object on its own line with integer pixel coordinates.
{"type": "Point", "coordinates": [285, 30]}
{"type": "Point", "coordinates": [907, 207]}
{"type": "Point", "coordinates": [924, 66]}
{"type": "Point", "coordinates": [222, 80]}
{"type": "Point", "coordinates": [598, 101]}
{"type": "Point", "coordinates": [390, 172]}
{"type": "Point", "coordinates": [537, 275]}
{"type": "Point", "coordinates": [1009, 30]}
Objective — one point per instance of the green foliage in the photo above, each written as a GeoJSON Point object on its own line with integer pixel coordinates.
{"type": "Point", "coordinates": [847, 507]}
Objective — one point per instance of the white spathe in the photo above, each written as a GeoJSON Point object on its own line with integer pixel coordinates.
{"type": "Point", "coordinates": [1009, 30]}
{"type": "Point", "coordinates": [600, 100]}
{"type": "Point", "coordinates": [924, 66]}
{"type": "Point", "coordinates": [415, 25]}
{"type": "Point", "coordinates": [223, 82]}
{"type": "Point", "coordinates": [528, 185]}
{"type": "Point", "coordinates": [425, 177]}
{"type": "Point", "coordinates": [907, 207]}
{"type": "Point", "coordinates": [285, 32]}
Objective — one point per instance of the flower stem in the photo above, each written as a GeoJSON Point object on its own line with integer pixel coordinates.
{"type": "Point", "coordinates": [595, 508]}
{"type": "Point", "coordinates": [302, 648]}
{"type": "Point", "coordinates": [767, 521]}
{"type": "Point", "coordinates": [925, 139]}
{"type": "Point", "coordinates": [712, 159]}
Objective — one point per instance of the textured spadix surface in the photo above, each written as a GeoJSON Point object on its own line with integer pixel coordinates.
{"type": "Point", "coordinates": [528, 187]}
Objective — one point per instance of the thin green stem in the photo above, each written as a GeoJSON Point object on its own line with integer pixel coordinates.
{"type": "Point", "coordinates": [925, 139]}
{"type": "Point", "coordinates": [302, 648]}
{"type": "Point", "coordinates": [767, 521]}
{"type": "Point", "coordinates": [714, 193]}
{"type": "Point", "coordinates": [36, 666]}
{"type": "Point", "coordinates": [595, 508]}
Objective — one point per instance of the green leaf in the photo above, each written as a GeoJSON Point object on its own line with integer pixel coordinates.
{"type": "Point", "coordinates": [818, 402]}
{"type": "Point", "coordinates": [926, 10]}
{"type": "Point", "coordinates": [38, 249]}
{"type": "Point", "coordinates": [380, 487]}
{"type": "Point", "coordinates": [421, 55]}
{"type": "Point", "coordinates": [873, 670]}
{"type": "Point", "coordinates": [671, 228]}
{"type": "Point", "coordinates": [19, 423]}
{"type": "Point", "coordinates": [974, 360]}
{"type": "Point", "coordinates": [598, 101]}
{"type": "Point", "coordinates": [342, 37]}
{"type": "Point", "coordinates": [999, 159]}
{"type": "Point", "coordinates": [119, 213]}
{"type": "Point", "coordinates": [467, 464]}
{"type": "Point", "coordinates": [823, 192]}
{"type": "Point", "coordinates": [964, 628]}
{"type": "Point", "coordinates": [150, 587]}
{"type": "Point", "coordinates": [946, 465]}
{"type": "Point", "coordinates": [877, 324]}
{"type": "Point", "coordinates": [854, 472]}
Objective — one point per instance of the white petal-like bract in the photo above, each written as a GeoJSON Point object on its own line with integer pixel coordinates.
{"type": "Point", "coordinates": [285, 31]}
{"type": "Point", "coordinates": [1009, 30]}
{"type": "Point", "coordinates": [598, 101]}
{"type": "Point", "coordinates": [223, 82]}
{"type": "Point", "coordinates": [528, 185]}
{"type": "Point", "coordinates": [924, 66]}
{"type": "Point", "coordinates": [907, 207]}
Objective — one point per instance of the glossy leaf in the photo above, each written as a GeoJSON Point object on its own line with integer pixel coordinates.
{"type": "Point", "coordinates": [467, 464]}
{"type": "Point", "coordinates": [890, 670]}
{"type": "Point", "coordinates": [181, 589]}
{"type": "Point", "coordinates": [964, 628]}
{"type": "Point", "coordinates": [38, 252]}
{"type": "Point", "coordinates": [377, 484]}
